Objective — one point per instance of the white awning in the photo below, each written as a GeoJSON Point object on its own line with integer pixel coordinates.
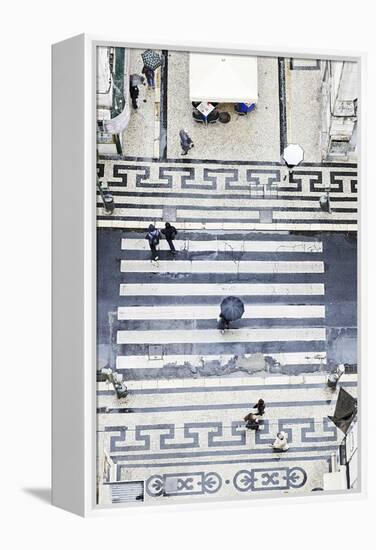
{"type": "Point", "coordinates": [223, 78]}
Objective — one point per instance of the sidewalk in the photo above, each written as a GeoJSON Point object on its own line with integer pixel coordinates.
{"type": "Point", "coordinates": [194, 432]}
{"type": "Point", "coordinates": [253, 137]}
{"type": "Point", "coordinates": [229, 195]}
{"type": "Point", "coordinates": [138, 138]}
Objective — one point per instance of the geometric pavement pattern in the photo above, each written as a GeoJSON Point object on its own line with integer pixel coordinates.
{"type": "Point", "coordinates": [228, 196]}
{"type": "Point", "coordinates": [184, 438]}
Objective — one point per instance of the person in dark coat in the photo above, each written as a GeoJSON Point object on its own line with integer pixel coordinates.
{"type": "Point", "coordinates": [260, 406]}
{"type": "Point", "coordinates": [149, 73]}
{"type": "Point", "coordinates": [170, 233]}
{"type": "Point", "coordinates": [223, 323]}
{"type": "Point", "coordinates": [186, 142]}
{"type": "Point", "coordinates": [153, 235]}
{"type": "Point", "coordinates": [252, 422]}
{"type": "Point", "coordinates": [134, 93]}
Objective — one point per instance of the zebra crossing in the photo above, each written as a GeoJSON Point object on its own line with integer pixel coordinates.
{"type": "Point", "coordinates": [168, 309]}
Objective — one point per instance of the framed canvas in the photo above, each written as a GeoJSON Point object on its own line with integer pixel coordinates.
{"type": "Point", "coordinates": [205, 275]}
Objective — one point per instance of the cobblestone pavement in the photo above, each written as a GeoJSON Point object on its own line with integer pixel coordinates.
{"type": "Point", "coordinates": [259, 137]}
{"type": "Point", "coordinates": [246, 227]}
{"type": "Point", "coordinates": [188, 439]}
{"type": "Point", "coordinates": [243, 196]}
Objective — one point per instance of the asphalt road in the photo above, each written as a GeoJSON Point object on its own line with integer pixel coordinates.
{"type": "Point", "coordinates": [340, 299]}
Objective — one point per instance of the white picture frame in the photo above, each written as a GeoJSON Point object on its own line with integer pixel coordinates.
{"type": "Point", "coordinates": [74, 269]}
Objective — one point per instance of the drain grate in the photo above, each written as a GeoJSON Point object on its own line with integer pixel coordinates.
{"type": "Point", "coordinates": [127, 491]}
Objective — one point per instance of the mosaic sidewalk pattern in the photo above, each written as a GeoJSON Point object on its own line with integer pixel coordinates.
{"type": "Point", "coordinates": [168, 309]}
{"type": "Point", "coordinates": [184, 438]}
{"type": "Point", "coordinates": [199, 195]}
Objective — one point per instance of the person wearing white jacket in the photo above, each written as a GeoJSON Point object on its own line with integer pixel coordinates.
{"type": "Point", "coordinates": [280, 443]}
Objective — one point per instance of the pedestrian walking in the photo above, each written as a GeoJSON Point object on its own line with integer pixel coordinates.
{"type": "Point", "coordinates": [170, 233]}
{"type": "Point", "coordinates": [232, 309]}
{"type": "Point", "coordinates": [150, 76]}
{"type": "Point", "coordinates": [252, 422]}
{"type": "Point", "coordinates": [260, 407]}
{"type": "Point", "coordinates": [334, 376]}
{"type": "Point", "coordinates": [324, 202]}
{"type": "Point", "coordinates": [134, 93]}
{"type": "Point", "coordinates": [186, 142]}
{"type": "Point", "coordinates": [281, 443]}
{"type": "Point", "coordinates": [153, 236]}
{"type": "Point", "coordinates": [223, 323]}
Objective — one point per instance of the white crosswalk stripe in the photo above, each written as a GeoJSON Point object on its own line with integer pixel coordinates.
{"type": "Point", "coordinates": [186, 266]}
{"type": "Point", "coordinates": [219, 245]}
{"type": "Point", "coordinates": [320, 224]}
{"type": "Point", "coordinates": [226, 202]}
{"type": "Point", "coordinates": [218, 289]}
{"type": "Point", "coordinates": [211, 312]}
{"type": "Point", "coordinates": [213, 336]}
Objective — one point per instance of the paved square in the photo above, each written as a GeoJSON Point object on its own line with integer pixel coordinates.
{"type": "Point", "coordinates": [248, 227]}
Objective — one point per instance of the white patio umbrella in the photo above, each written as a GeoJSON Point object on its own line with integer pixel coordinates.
{"type": "Point", "coordinates": [293, 154]}
{"type": "Point", "coordinates": [223, 78]}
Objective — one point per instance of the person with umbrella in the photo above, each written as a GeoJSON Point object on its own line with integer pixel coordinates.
{"type": "Point", "coordinates": [232, 308]}
{"type": "Point", "coordinates": [151, 62]}
{"type": "Point", "coordinates": [293, 155]}
{"type": "Point", "coordinates": [223, 323]}
{"type": "Point", "coordinates": [150, 76]}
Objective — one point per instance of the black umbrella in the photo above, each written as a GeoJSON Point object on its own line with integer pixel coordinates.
{"type": "Point", "coordinates": [345, 410]}
{"type": "Point", "coordinates": [232, 308]}
{"type": "Point", "coordinates": [151, 59]}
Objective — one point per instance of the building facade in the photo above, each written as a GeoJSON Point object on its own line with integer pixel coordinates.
{"type": "Point", "coordinates": [113, 108]}
{"type": "Point", "coordinates": [340, 90]}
